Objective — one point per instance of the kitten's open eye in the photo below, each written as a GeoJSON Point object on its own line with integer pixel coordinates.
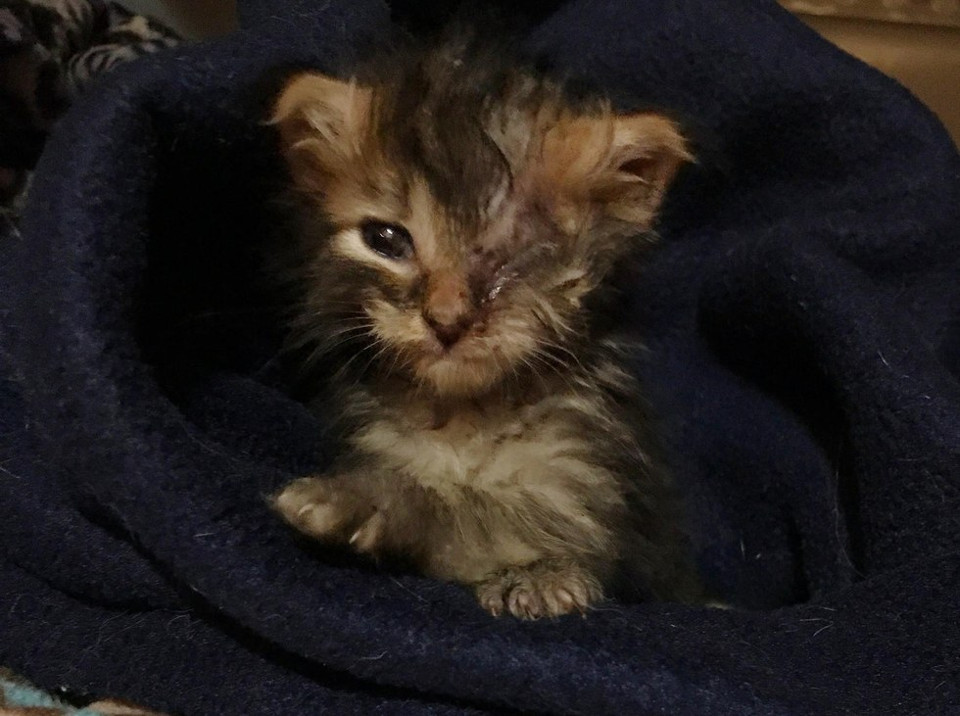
{"type": "Point", "coordinates": [388, 240]}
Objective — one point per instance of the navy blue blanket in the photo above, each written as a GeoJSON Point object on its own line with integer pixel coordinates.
{"type": "Point", "coordinates": [803, 319]}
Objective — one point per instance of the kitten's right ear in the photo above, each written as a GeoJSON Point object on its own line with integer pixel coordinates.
{"type": "Point", "coordinates": [321, 121]}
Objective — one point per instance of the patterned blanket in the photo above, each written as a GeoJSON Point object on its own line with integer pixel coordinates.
{"type": "Point", "coordinates": [49, 51]}
{"type": "Point", "coordinates": [21, 698]}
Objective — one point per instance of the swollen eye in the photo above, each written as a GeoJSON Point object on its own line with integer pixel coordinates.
{"type": "Point", "coordinates": [388, 240]}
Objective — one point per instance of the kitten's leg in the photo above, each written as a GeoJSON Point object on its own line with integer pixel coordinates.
{"type": "Point", "coordinates": [547, 588]}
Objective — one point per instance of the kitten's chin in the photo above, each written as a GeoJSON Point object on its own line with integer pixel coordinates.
{"type": "Point", "coordinates": [458, 377]}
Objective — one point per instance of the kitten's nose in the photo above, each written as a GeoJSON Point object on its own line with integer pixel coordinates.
{"type": "Point", "coordinates": [448, 308]}
{"type": "Point", "coordinates": [447, 334]}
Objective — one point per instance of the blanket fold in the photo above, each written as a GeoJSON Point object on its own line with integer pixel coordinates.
{"type": "Point", "coordinates": [803, 322]}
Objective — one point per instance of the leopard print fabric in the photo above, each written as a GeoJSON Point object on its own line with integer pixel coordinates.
{"type": "Point", "coordinates": [49, 50]}
{"type": "Point", "coordinates": [20, 698]}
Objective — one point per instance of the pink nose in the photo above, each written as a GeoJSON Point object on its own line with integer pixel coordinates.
{"type": "Point", "coordinates": [448, 309]}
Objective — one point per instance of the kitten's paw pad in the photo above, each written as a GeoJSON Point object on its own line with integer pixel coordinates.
{"type": "Point", "coordinates": [319, 508]}
{"type": "Point", "coordinates": [539, 590]}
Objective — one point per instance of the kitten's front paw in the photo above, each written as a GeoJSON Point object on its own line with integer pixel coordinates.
{"type": "Point", "coordinates": [547, 588]}
{"type": "Point", "coordinates": [323, 509]}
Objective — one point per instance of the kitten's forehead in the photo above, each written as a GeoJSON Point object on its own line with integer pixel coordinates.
{"type": "Point", "coordinates": [463, 127]}
{"type": "Point", "coordinates": [463, 170]}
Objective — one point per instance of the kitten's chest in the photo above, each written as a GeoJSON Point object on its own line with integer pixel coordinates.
{"type": "Point", "coordinates": [488, 448]}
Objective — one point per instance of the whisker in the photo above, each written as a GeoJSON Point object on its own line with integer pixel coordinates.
{"type": "Point", "coordinates": [560, 347]}
{"type": "Point", "coordinates": [383, 349]}
{"type": "Point", "coordinates": [324, 348]}
{"type": "Point", "coordinates": [315, 335]}
{"type": "Point", "coordinates": [558, 367]}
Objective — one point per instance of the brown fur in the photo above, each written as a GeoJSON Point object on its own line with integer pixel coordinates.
{"type": "Point", "coordinates": [491, 436]}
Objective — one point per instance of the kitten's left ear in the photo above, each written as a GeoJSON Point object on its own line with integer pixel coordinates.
{"type": "Point", "coordinates": [617, 166]}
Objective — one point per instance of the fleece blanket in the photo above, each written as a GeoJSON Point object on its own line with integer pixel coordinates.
{"type": "Point", "coordinates": [802, 318]}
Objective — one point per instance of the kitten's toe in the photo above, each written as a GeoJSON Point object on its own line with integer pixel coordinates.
{"type": "Point", "coordinates": [579, 592]}
{"type": "Point", "coordinates": [490, 594]}
{"type": "Point", "coordinates": [320, 519]}
{"type": "Point", "coordinates": [524, 601]}
{"type": "Point", "coordinates": [544, 589]}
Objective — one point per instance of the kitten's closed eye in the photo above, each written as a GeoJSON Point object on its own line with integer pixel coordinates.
{"type": "Point", "coordinates": [389, 240]}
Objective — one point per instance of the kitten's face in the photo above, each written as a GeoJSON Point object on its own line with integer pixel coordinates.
{"type": "Point", "coordinates": [459, 306]}
{"type": "Point", "coordinates": [454, 245]}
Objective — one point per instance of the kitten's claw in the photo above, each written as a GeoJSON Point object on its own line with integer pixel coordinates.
{"type": "Point", "coordinates": [543, 589]}
{"type": "Point", "coordinates": [368, 537]}
{"type": "Point", "coordinates": [491, 597]}
{"type": "Point", "coordinates": [525, 603]}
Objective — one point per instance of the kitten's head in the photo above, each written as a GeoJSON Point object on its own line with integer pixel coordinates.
{"type": "Point", "coordinates": [459, 217]}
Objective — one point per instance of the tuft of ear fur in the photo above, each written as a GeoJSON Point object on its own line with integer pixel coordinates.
{"type": "Point", "coordinates": [610, 167]}
{"type": "Point", "coordinates": [321, 121]}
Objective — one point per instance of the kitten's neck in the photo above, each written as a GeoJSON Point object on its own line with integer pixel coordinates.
{"type": "Point", "coordinates": [427, 409]}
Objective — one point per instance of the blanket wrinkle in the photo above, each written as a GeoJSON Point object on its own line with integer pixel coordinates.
{"type": "Point", "coordinates": [801, 316]}
{"type": "Point", "coordinates": [893, 390]}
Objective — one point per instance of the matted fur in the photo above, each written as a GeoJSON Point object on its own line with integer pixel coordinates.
{"type": "Point", "coordinates": [490, 433]}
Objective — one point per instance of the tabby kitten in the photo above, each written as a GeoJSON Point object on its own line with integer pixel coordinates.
{"type": "Point", "coordinates": [460, 227]}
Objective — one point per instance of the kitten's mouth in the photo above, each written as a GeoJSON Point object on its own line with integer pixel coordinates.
{"type": "Point", "coordinates": [461, 369]}
{"type": "Point", "coordinates": [463, 352]}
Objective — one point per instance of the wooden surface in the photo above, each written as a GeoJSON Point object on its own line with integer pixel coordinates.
{"type": "Point", "coordinates": [927, 12]}
{"type": "Point", "coordinates": [926, 59]}
{"type": "Point", "coordinates": [192, 18]}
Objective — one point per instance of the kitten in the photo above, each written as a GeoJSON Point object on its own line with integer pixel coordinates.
{"type": "Point", "coordinates": [461, 223]}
